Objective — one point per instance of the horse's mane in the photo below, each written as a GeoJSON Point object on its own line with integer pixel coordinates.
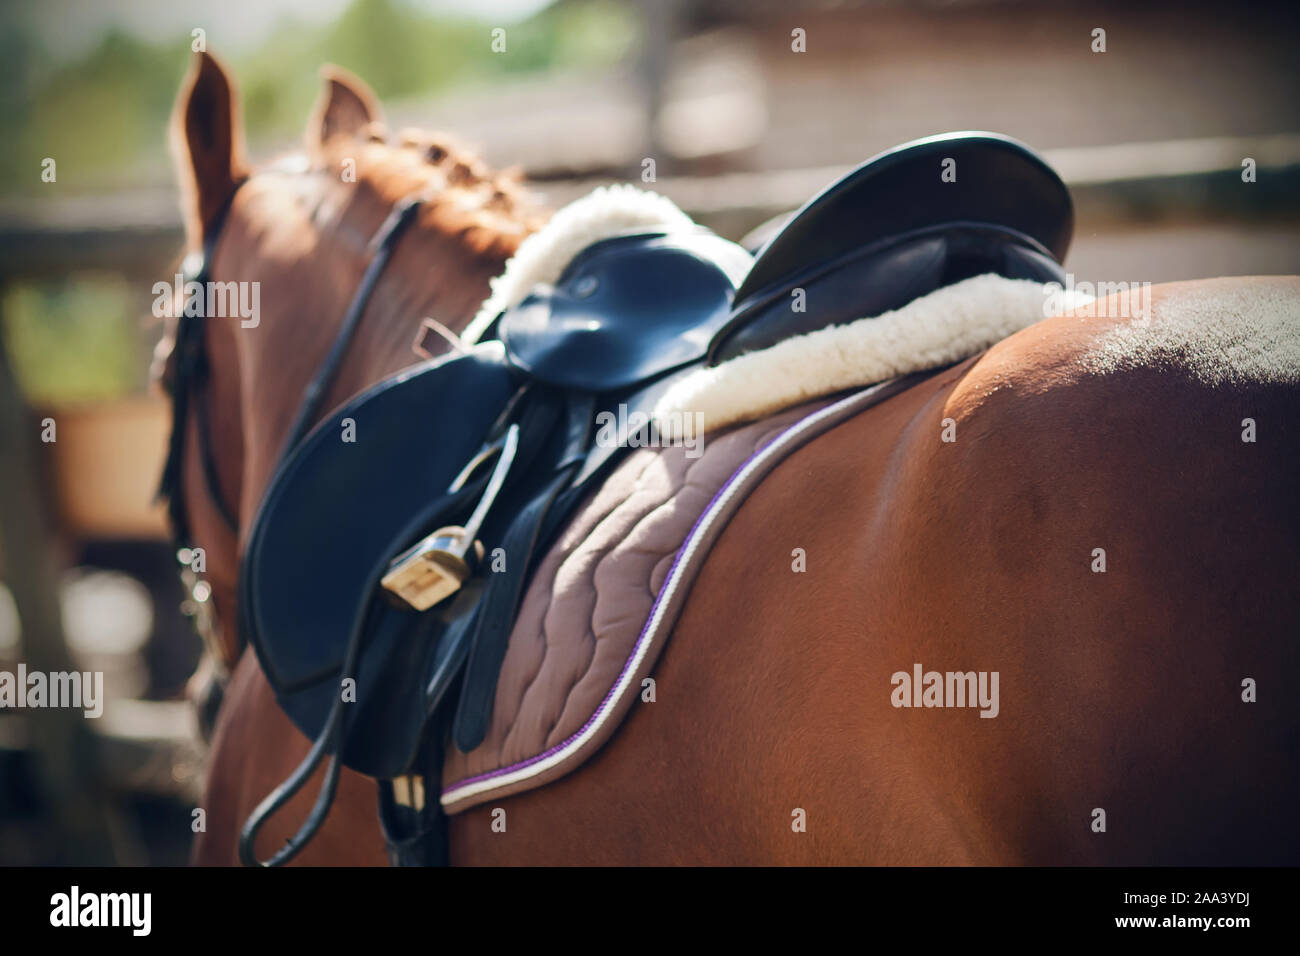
{"type": "Point", "coordinates": [467, 199]}
{"type": "Point", "coordinates": [485, 211]}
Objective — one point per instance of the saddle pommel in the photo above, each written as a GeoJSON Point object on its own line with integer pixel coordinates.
{"type": "Point", "coordinates": [434, 569]}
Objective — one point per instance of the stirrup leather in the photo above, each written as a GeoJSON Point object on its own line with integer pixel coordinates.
{"type": "Point", "coordinates": [435, 567]}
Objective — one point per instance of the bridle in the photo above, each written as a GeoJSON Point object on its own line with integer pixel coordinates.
{"type": "Point", "coordinates": [191, 369]}
{"type": "Point", "coordinates": [190, 373]}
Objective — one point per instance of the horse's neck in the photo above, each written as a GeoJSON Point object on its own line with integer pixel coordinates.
{"type": "Point", "coordinates": [429, 275]}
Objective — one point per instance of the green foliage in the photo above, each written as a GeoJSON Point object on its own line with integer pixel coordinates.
{"type": "Point", "coordinates": [74, 341]}
{"type": "Point", "coordinates": [96, 116]}
{"type": "Point", "coordinates": [104, 118]}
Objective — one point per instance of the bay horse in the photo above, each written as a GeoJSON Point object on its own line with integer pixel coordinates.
{"type": "Point", "coordinates": [1146, 713]}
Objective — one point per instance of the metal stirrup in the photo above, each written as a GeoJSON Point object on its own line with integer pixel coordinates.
{"type": "Point", "coordinates": [436, 567]}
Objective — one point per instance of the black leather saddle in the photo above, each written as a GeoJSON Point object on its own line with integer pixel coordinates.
{"type": "Point", "coordinates": [509, 423]}
{"type": "Point", "coordinates": [382, 575]}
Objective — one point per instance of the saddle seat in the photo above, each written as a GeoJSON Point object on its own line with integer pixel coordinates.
{"type": "Point", "coordinates": [496, 444]}
{"type": "Point", "coordinates": [625, 311]}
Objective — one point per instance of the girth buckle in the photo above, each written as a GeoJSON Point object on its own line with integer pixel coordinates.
{"type": "Point", "coordinates": [434, 568]}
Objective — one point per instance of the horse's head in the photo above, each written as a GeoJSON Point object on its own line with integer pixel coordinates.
{"type": "Point", "coordinates": [286, 246]}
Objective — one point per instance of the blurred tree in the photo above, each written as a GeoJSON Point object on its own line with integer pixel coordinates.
{"type": "Point", "coordinates": [82, 815]}
{"type": "Point", "coordinates": [97, 115]}
{"type": "Point", "coordinates": [103, 117]}
{"type": "Point", "coordinates": [75, 341]}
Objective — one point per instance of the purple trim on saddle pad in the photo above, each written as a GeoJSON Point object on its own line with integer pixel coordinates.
{"type": "Point", "coordinates": [560, 759]}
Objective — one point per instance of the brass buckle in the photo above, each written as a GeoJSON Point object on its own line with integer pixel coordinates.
{"type": "Point", "coordinates": [408, 791]}
{"type": "Point", "coordinates": [434, 568]}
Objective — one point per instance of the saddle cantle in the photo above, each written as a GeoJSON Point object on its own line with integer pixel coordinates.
{"type": "Point", "coordinates": [911, 220]}
{"type": "Point", "coordinates": [382, 575]}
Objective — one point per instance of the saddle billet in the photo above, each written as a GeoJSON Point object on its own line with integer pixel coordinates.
{"type": "Point", "coordinates": [378, 684]}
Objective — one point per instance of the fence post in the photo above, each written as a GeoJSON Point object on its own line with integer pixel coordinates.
{"type": "Point", "coordinates": [73, 796]}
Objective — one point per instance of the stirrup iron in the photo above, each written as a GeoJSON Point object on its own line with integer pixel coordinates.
{"type": "Point", "coordinates": [434, 568]}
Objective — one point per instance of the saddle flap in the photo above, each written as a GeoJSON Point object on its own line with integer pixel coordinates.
{"type": "Point", "coordinates": [328, 515]}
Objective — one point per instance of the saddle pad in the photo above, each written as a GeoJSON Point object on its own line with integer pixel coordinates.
{"type": "Point", "coordinates": [604, 599]}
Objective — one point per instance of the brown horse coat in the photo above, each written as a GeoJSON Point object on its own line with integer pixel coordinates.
{"type": "Point", "coordinates": [1119, 690]}
{"type": "Point", "coordinates": [774, 738]}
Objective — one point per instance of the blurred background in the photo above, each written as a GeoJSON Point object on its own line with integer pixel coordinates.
{"type": "Point", "coordinates": [1151, 135]}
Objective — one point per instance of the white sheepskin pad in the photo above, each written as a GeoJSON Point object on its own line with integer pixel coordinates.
{"type": "Point", "coordinates": [945, 326]}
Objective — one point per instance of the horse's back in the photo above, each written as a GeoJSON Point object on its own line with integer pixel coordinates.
{"type": "Point", "coordinates": [1082, 511]}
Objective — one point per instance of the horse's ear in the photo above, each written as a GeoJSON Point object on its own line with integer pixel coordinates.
{"type": "Point", "coordinates": [345, 107]}
{"type": "Point", "coordinates": [207, 144]}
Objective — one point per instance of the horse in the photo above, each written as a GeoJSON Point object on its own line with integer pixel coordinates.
{"type": "Point", "coordinates": [1112, 535]}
